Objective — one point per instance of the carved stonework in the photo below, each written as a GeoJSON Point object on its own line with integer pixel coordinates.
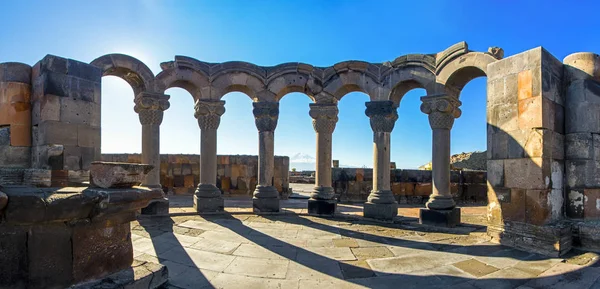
{"type": "Point", "coordinates": [150, 107]}
{"type": "Point", "coordinates": [325, 116]}
{"type": "Point", "coordinates": [265, 115]}
{"type": "Point", "coordinates": [209, 113]}
{"type": "Point", "coordinates": [383, 115]}
{"type": "Point", "coordinates": [442, 110]}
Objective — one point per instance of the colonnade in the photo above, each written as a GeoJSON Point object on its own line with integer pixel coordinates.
{"type": "Point", "coordinates": [381, 203]}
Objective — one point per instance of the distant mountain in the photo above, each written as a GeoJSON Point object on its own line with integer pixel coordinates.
{"type": "Point", "coordinates": [470, 161]}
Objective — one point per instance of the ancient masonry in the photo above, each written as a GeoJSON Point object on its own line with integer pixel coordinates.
{"type": "Point", "coordinates": [236, 174]}
{"type": "Point", "coordinates": [543, 147]}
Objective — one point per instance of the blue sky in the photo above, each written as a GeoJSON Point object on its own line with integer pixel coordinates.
{"type": "Point", "coordinates": [321, 33]}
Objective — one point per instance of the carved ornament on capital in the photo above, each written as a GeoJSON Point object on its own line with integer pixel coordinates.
{"type": "Point", "coordinates": [325, 117]}
{"type": "Point", "coordinates": [209, 113]}
{"type": "Point", "coordinates": [442, 110]}
{"type": "Point", "coordinates": [265, 115]}
{"type": "Point", "coordinates": [383, 115]}
{"type": "Point", "coordinates": [150, 107]}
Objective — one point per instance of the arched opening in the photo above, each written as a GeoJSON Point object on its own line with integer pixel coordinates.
{"type": "Point", "coordinates": [237, 146]}
{"type": "Point", "coordinates": [121, 133]}
{"type": "Point", "coordinates": [179, 144]}
{"type": "Point", "coordinates": [352, 148]}
{"type": "Point", "coordinates": [295, 138]}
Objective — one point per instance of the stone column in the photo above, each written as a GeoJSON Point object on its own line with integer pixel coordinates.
{"type": "Point", "coordinates": [150, 108]}
{"type": "Point", "coordinates": [442, 110]}
{"type": "Point", "coordinates": [322, 200]}
{"type": "Point", "coordinates": [207, 197]}
{"type": "Point", "coordinates": [266, 197]}
{"type": "Point", "coordinates": [381, 203]}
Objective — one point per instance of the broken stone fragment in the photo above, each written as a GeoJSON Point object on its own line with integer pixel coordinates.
{"type": "Point", "coordinates": [3, 200]}
{"type": "Point", "coordinates": [117, 175]}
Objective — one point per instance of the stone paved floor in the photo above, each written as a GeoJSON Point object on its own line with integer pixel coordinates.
{"type": "Point", "coordinates": [243, 250]}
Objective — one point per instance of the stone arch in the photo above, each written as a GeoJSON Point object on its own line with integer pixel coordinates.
{"type": "Point", "coordinates": [237, 76]}
{"type": "Point", "coordinates": [193, 81]}
{"type": "Point", "coordinates": [128, 68]}
{"type": "Point", "coordinates": [293, 77]}
{"type": "Point", "coordinates": [402, 79]}
{"type": "Point", "coordinates": [351, 76]}
{"type": "Point", "coordinates": [456, 73]}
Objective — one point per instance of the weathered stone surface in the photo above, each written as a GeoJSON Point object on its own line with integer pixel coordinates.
{"type": "Point", "coordinates": [116, 175]}
{"type": "Point", "coordinates": [444, 218]}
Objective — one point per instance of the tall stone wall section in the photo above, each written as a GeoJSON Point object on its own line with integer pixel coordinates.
{"type": "Point", "coordinates": [15, 115]}
{"type": "Point", "coordinates": [408, 186]}
{"type": "Point", "coordinates": [65, 118]}
{"type": "Point", "coordinates": [236, 174]}
{"type": "Point", "coordinates": [526, 152]}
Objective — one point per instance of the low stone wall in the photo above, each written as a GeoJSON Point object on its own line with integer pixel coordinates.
{"type": "Point", "coordinates": [409, 186]}
{"type": "Point", "coordinates": [236, 174]}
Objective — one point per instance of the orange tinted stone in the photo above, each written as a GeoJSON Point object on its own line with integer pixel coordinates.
{"type": "Point", "coordinates": [188, 181]}
{"type": "Point", "coordinates": [423, 190]}
{"type": "Point", "coordinates": [537, 211]}
{"type": "Point", "coordinates": [530, 113]}
{"type": "Point", "coordinates": [591, 210]}
{"type": "Point", "coordinates": [20, 135]}
{"type": "Point", "coordinates": [225, 183]}
{"type": "Point", "coordinates": [524, 85]}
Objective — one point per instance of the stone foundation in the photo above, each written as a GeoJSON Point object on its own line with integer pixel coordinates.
{"type": "Point", "coordinates": [443, 218]}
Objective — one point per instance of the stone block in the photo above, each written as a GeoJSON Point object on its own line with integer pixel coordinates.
{"type": "Point", "coordinates": [582, 173]}
{"type": "Point", "coordinates": [77, 111]}
{"type": "Point", "coordinates": [596, 146]}
{"type": "Point", "coordinates": [89, 155]}
{"type": "Point", "coordinates": [4, 135]}
{"type": "Point", "coordinates": [442, 218]}
{"type": "Point", "coordinates": [88, 136]}
{"type": "Point", "coordinates": [265, 205]}
{"type": "Point", "coordinates": [495, 172]}
{"type": "Point", "coordinates": [110, 247]}
{"type": "Point", "coordinates": [539, 143]}
{"type": "Point", "coordinates": [188, 181]}
{"type": "Point", "coordinates": [500, 145]}
{"type": "Point", "coordinates": [384, 212]}
{"type": "Point", "coordinates": [37, 178]}
{"type": "Point", "coordinates": [515, 209]}
{"type": "Point", "coordinates": [538, 209]}
{"type": "Point", "coordinates": [83, 70]}
{"type": "Point", "coordinates": [579, 146]}
{"type": "Point", "coordinates": [186, 169]}
{"type": "Point", "coordinates": [78, 178]}
{"type": "Point", "coordinates": [15, 72]}
{"type": "Point", "coordinates": [13, 249]}
{"type": "Point", "coordinates": [559, 118]}
{"type": "Point", "coordinates": [558, 146]}
{"type": "Point", "coordinates": [53, 132]}
{"type": "Point", "coordinates": [531, 114]}
{"type": "Point", "coordinates": [20, 135]}
{"type": "Point", "coordinates": [524, 83]}
{"type": "Point", "coordinates": [15, 157]}
{"type": "Point", "coordinates": [72, 158]}
{"type": "Point", "coordinates": [423, 189]}
{"type": "Point", "coordinates": [117, 175]}
{"type": "Point", "coordinates": [527, 173]}
{"type": "Point", "coordinates": [591, 206]}
{"type": "Point", "coordinates": [208, 205]}
{"type": "Point", "coordinates": [50, 256]}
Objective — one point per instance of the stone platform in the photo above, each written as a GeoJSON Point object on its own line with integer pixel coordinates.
{"type": "Point", "coordinates": [239, 249]}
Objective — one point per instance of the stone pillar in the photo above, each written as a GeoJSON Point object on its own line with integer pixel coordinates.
{"type": "Point", "coordinates": [150, 108]}
{"type": "Point", "coordinates": [266, 197]}
{"type": "Point", "coordinates": [381, 203]}
{"type": "Point", "coordinates": [441, 208]}
{"type": "Point", "coordinates": [322, 200]}
{"type": "Point", "coordinates": [207, 197]}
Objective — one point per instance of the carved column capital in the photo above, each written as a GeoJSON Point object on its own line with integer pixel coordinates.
{"type": "Point", "coordinates": [383, 115]}
{"type": "Point", "coordinates": [442, 110]}
{"type": "Point", "coordinates": [325, 117]}
{"type": "Point", "coordinates": [150, 107]}
{"type": "Point", "coordinates": [265, 115]}
{"type": "Point", "coordinates": [208, 113]}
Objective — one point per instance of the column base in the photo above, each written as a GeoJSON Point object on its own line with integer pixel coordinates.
{"type": "Point", "coordinates": [321, 207]}
{"type": "Point", "coordinates": [209, 205]}
{"type": "Point", "coordinates": [386, 212]}
{"type": "Point", "coordinates": [265, 205]}
{"type": "Point", "coordinates": [158, 207]}
{"type": "Point", "coordinates": [443, 218]}
{"type": "Point", "coordinates": [265, 200]}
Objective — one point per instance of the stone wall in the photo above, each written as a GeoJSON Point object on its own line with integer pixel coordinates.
{"type": "Point", "coordinates": [408, 186]}
{"type": "Point", "coordinates": [236, 174]}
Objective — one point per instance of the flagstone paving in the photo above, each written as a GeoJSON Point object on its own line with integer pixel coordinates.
{"type": "Point", "coordinates": [243, 250]}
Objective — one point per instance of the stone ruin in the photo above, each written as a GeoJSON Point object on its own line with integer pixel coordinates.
{"type": "Point", "coordinates": [543, 149]}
